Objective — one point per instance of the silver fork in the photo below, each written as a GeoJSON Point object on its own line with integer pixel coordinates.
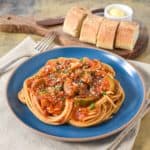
{"type": "Point", "coordinates": [41, 46]}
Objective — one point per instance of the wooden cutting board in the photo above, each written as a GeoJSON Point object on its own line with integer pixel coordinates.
{"type": "Point", "coordinates": [21, 24]}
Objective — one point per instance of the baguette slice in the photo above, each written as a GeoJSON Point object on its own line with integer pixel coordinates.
{"type": "Point", "coordinates": [106, 34]}
{"type": "Point", "coordinates": [74, 19]}
{"type": "Point", "coordinates": [127, 35]}
{"type": "Point", "coordinates": [90, 28]}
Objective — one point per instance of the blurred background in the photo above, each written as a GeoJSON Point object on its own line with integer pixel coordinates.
{"type": "Point", "coordinates": [52, 8]}
{"type": "Point", "coordinates": [59, 7]}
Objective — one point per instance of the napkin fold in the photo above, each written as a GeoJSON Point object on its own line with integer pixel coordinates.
{"type": "Point", "coordinates": [15, 135]}
{"type": "Point", "coordinates": [22, 49]}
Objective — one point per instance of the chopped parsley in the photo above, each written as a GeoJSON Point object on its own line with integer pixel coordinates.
{"type": "Point", "coordinates": [58, 87]}
{"type": "Point", "coordinates": [81, 59]}
{"type": "Point", "coordinates": [104, 93]}
{"type": "Point", "coordinates": [65, 71]}
{"type": "Point", "coordinates": [43, 91]}
{"type": "Point", "coordinates": [92, 106]}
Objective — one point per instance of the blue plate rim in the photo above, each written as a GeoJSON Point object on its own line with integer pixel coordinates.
{"type": "Point", "coordinates": [86, 139]}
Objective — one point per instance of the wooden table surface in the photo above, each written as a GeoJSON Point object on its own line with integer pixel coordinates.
{"type": "Point", "coordinates": [44, 8]}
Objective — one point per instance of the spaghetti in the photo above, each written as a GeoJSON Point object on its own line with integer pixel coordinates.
{"type": "Point", "coordinates": [81, 92]}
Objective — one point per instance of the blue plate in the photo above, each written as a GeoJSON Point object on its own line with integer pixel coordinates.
{"type": "Point", "coordinates": [125, 73]}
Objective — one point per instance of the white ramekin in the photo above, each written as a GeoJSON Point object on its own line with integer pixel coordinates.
{"type": "Point", "coordinates": [128, 10]}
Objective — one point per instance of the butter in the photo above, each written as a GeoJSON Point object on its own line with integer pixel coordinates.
{"type": "Point", "coordinates": [117, 12]}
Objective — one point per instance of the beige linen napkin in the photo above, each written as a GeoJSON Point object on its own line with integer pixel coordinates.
{"type": "Point", "coordinates": [14, 135]}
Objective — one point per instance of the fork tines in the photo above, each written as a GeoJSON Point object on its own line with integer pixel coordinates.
{"type": "Point", "coordinates": [45, 42]}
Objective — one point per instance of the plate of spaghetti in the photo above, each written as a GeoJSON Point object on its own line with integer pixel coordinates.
{"type": "Point", "coordinates": [76, 94]}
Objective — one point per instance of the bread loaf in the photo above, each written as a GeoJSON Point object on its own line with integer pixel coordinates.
{"type": "Point", "coordinates": [90, 28]}
{"type": "Point", "coordinates": [106, 34]}
{"type": "Point", "coordinates": [74, 19]}
{"type": "Point", "coordinates": [127, 35]}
